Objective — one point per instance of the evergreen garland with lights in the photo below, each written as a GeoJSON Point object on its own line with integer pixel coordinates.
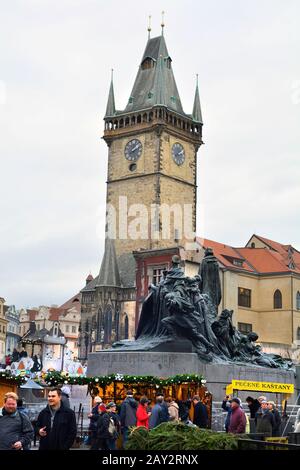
{"type": "Point", "coordinates": [56, 378]}
{"type": "Point", "coordinates": [15, 379]}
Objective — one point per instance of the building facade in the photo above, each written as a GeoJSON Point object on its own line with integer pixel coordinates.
{"type": "Point", "coordinates": [3, 331]}
{"type": "Point", "coordinates": [12, 336]}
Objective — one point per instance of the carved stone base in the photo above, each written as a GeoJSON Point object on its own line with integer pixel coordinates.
{"type": "Point", "coordinates": [166, 364]}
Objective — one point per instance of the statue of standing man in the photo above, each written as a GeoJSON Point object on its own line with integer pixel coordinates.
{"type": "Point", "coordinates": [210, 279]}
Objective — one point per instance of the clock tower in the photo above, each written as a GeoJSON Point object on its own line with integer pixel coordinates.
{"type": "Point", "coordinates": [150, 199]}
{"type": "Point", "coordinates": [152, 159]}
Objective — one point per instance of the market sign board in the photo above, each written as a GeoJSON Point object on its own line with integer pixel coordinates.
{"type": "Point", "coordinates": [271, 387]}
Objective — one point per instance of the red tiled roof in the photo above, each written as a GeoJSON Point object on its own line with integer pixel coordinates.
{"type": "Point", "coordinates": [275, 259]}
{"type": "Point", "coordinates": [55, 313]}
{"type": "Point", "coordinates": [225, 254]}
{"type": "Point", "coordinates": [75, 301]}
{"type": "Point", "coordinates": [32, 314]}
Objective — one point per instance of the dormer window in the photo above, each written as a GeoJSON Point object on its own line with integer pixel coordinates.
{"type": "Point", "coordinates": [148, 63]}
{"type": "Point", "coordinates": [168, 62]}
{"type": "Point", "coordinates": [238, 262]}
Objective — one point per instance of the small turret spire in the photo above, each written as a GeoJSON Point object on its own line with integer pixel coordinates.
{"type": "Point", "coordinates": [111, 108]}
{"type": "Point", "coordinates": [162, 22]}
{"type": "Point", "coordinates": [149, 26]}
{"type": "Point", "coordinates": [197, 114]}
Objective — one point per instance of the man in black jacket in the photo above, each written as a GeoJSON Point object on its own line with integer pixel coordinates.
{"type": "Point", "coordinates": [253, 405]}
{"type": "Point", "coordinates": [200, 413]}
{"type": "Point", "coordinates": [56, 424]}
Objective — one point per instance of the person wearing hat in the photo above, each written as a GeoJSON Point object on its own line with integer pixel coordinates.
{"type": "Point", "coordinates": [107, 425]}
{"type": "Point", "coordinates": [93, 417]}
{"type": "Point", "coordinates": [237, 424]}
{"type": "Point", "coordinates": [264, 419]}
{"type": "Point", "coordinates": [128, 414]}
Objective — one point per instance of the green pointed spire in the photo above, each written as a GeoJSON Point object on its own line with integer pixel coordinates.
{"type": "Point", "coordinates": [109, 272]}
{"type": "Point", "coordinates": [111, 108]}
{"type": "Point", "coordinates": [155, 83]}
{"type": "Point", "coordinates": [197, 114]}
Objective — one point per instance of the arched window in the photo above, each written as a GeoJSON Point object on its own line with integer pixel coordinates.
{"type": "Point", "coordinates": [298, 300]}
{"type": "Point", "coordinates": [298, 333]}
{"type": "Point", "coordinates": [107, 325]}
{"type": "Point", "coordinates": [277, 299]}
{"type": "Point", "coordinates": [126, 328]}
{"type": "Point", "coordinates": [117, 320]}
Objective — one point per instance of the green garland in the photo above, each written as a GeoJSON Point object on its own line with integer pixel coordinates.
{"type": "Point", "coordinates": [55, 378]}
{"type": "Point", "coordinates": [15, 379]}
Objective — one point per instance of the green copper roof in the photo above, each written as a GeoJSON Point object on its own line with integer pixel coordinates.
{"type": "Point", "coordinates": [197, 114]}
{"type": "Point", "coordinates": [110, 108]}
{"type": "Point", "coordinates": [155, 85]}
{"type": "Point", "coordinates": [109, 272]}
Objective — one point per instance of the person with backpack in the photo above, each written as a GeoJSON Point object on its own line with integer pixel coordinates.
{"type": "Point", "coordinates": [16, 431]}
{"type": "Point", "coordinates": [107, 429]}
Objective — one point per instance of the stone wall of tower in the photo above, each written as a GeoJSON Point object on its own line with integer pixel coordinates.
{"type": "Point", "coordinates": [156, 180]}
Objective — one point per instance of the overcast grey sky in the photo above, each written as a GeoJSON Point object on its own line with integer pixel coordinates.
{"type": "Point", "coordinates": [55, 61]}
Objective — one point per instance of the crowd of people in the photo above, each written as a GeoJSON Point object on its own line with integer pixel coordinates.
{"type": "Point", "coordinates": [263, 412]}
{"type": "Point", "coordinates": [56, 426]}
{"type": "Point", "coordinates": [108, 422]}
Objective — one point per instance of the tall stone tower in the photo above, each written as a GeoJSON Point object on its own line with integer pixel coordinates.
{"type": "Point", "coordinates": [152, 157]}
{"type": "Point", "coordinates": [151, 192]}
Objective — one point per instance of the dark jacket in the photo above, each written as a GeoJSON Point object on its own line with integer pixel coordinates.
{"type": "Point", "coordinates": [128, 412]}
{"type": "Point", "coordinates": [264, 422]}
{"type": "Point", "coordinates": [63, 432]}
{"type": "Point", "coordinates": [253, 408]}
{"type": "Point", "coordinates": [65, 400]}
{"type": "Point", "coordinates": [226, 407]}
{"type": "Point", "coordinates": [13, 428]}
{"type": "Point", "coordinates": [277, 423]}
{"type": "Point", "coordinates": [94, 418]}
{"type": "Point", "coordinates": [237, 423]}
{"type": "Point", "coordinates": [200, 415]}
{"type": "Point", "coordinates": [103, 425]}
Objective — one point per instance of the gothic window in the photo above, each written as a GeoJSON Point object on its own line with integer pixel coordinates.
{"type": "Point", "coordinates": [298, 333]}
{"type": "Point", "coordinates": [107, 325]}
{"type": "Point", "coordinates": [244, 297]}
{"type": "Point", "coordinates": [126, 328]}
{"type": "Point", "coordinates": [100, 329]}
{"type": "Point", "coordinates": [117, 320]}
{"type": "Point", "coordinates": [298, 301]}
{"type": "Point", "coordinates": [277, 299]}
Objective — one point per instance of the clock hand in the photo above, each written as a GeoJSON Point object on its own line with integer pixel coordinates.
{"type": "Point", "coordinates": [134, 148]}
{"type": "Point", "coordinates": [180, 153]}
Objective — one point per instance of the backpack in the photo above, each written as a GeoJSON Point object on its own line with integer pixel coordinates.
{"type": "Point", "coordinates": [112, 427]}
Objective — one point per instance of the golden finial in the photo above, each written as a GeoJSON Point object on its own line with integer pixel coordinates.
{"type": "Point", "coordinates": [149, 27]}
{"type": "Point", "coordinates": [162, 22]}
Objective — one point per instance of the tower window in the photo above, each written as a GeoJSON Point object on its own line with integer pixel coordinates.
{"type": "Point", "coordinates": [277, 299]}
{"type": "Point", "coordinates": [132, 167]}
{"type": "Point", "coordinates": [244, 297]}
{"type": "Point", "coordinates": [298, 301]}
{"type": "Point", "coordinates": [298, 333]}
{"type": "Point", "coordinates": [148, 63]}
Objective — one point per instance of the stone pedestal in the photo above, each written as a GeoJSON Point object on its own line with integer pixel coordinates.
{"type": "Point", "coordinates": [166, 364]}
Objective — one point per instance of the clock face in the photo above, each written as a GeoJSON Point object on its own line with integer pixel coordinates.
{"type": "Point", "coordinates": [133, 150]}
{"type": "Point", "coordinates": [178, 153]}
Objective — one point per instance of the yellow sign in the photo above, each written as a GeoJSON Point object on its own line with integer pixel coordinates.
{"type": "Point", "coordinates": [271, 387]}
{"type": "Point", "coordinates": [229, 390]}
